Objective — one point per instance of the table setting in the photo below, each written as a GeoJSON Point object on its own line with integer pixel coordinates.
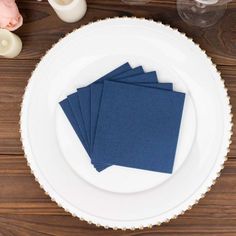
{"type": "Point", "coordinates": [125, 122]}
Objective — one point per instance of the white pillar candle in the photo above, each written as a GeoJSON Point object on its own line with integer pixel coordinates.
{"type": "Point", "coordinates": [69, 10]}
{"type": "Point", "coordinates": [10, 44]}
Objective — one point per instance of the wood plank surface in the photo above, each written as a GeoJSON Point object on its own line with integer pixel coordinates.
{"type": "Point", "coordinates": [24, 208]}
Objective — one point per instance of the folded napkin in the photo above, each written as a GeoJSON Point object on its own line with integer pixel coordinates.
{"type": "Point", "coordinates": [138, 127]}
{"type": "Point", "coordinates": [96, 94]}
{"type": "Point", "coordinates": [127, 118]}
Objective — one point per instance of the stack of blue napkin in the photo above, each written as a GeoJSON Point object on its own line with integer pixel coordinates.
{"type": "Point", "coordinates": [127, 118]}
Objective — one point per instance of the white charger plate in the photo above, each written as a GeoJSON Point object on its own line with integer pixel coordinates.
{"type": "Point", "coordinates": [121, 197]}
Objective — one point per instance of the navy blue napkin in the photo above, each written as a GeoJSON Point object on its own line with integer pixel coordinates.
{"type": "Point", "coordinates": [166, 86]}
{"type": "Point", "coordinates": [138, 127]}
{"type": "Point", "coordinates": [84, 107]}
{"type": "Point", "coordinates": [97, 97]}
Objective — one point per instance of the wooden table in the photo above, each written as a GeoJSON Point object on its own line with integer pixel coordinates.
{"type": "Point", "coordinates": [24, 208]}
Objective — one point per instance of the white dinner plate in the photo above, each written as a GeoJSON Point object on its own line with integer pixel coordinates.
{"type": "Point", "coordinates": [122, 197]}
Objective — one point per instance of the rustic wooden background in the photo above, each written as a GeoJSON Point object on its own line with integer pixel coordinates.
{"type": "Point", "coordinates": [24, 208]}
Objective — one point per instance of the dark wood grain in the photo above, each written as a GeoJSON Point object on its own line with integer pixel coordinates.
{"type": "Point", "coordinates": [24, 208]}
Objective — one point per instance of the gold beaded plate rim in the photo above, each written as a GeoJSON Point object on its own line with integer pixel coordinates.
{"type": "Point", "coordinates": [213, 179]}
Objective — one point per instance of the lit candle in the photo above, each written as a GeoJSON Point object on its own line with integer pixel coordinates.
{"type": "Point", "coordinates": [10, 44]}
{"type": "Point", "coordinates": [69, 10]}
